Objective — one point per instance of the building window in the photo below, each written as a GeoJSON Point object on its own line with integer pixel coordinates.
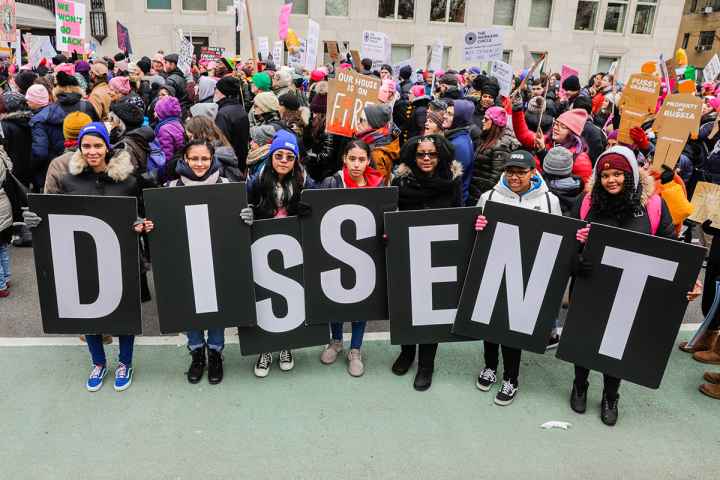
{"type": "Point", "coordinates": [706, 40]}
{"type": "Point", "coordinates": [337, 8]}
{"type": "Point", "coordinates": [223, 5]}
{"type": "Point", "coordinates": [194, 5]}
{"type": "Point", "coordinates": [445, 56]}
{"type": "Point", "coordinates": [504, 13]}
{"type": "Point", "coordinates": [540, 11]}
{"type": "Point", "coordinates": [686, 40]}
{"type": "Point", "coordinates": [444, 11]}
{"type": "Point", "coordinates": [396, 9]}
{"type": "Point", "coordinates": [644, 17]}
{"type": "Point", "coordinates": [159, 4]}
{"type": "Point", "coordinates": [586, 15]}
{"type": "Point", "coordinates": [615, 17]}
{"type": "Point", "coordinates": [300, 7]}
{"type": "Point", "coordinates": [507, 56]}
{"type": "Point", "coordinates": [399, 53]}
{"type": "Point", "coordinates": [604, 63]}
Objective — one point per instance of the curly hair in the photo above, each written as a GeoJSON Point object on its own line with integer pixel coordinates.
{"type": "Point", "coordinates": [621, 207]}
{"type": "Point", "coordinates": [445, 150]}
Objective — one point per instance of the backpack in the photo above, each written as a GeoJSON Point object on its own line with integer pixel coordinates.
{"type": "Point", "coordinates": [156, 157]}
{"type": "Point", "coordinates": [653, 209]}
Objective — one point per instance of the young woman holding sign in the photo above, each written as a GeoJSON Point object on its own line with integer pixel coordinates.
{"type": "Point", "coordinates": [427, 178]}
{"type": "Point", "coordinates": [356, 173]}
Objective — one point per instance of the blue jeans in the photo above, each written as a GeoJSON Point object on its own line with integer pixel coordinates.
{"type": "Point", "coordinates": [358, 330]}
{"type": "Point", "coordinates": [215, 339]}
{"type": "Point", "coordinates": [97, 350]}
{"type": "Point", "coordinates": [4, 265]}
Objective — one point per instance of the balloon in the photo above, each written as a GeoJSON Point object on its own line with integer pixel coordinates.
{"type": "Point", "coordinates": [292, 41]}
{"type": "Point", "coordinates": [681, 58]}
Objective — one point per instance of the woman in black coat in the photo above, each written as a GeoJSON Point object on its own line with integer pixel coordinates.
{"type": "Point", "coordinates": [427, 177]}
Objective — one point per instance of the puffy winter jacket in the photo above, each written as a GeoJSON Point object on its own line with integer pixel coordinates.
{"type": "Point", "coordinates": [17, 140]}
{"type": "Point", "coordinates": [101, 100]}
{"type": "Point", "coordinates": [70, 100]}
{"type": "Point", "coordinates": [169, 132]}
{"type": "Point", "coordinates": [567, 189]}
{"type": "Point", "coordinates": [384, 149]}
{"type": "Point", "coordinates": [595, 138]}
{"type": "Point", "coordinates": [537, 198]}
{"type": "Point", "coordinates": [234, 123]}
{"type": "Point", "coordinates": [117, 180]}
{"type": "Point", "coordinates": [488, 165]}
{"type": "Point", "coordinates": [176, 79]}
{"type": "Point", "coordinates": [6, 211]}
{"type": "Point", "coordinates": [48, 140]}
{"type": "Point", "coordinates": [409, 189]}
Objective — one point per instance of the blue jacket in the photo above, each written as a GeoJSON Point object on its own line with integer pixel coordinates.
{"type": "Point", "coordinates": [459, 136]}
{"type": "Point", "coordinates": [48, 140]}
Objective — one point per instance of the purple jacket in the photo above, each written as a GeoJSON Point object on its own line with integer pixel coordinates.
{"type": "Point", "coordinates": [169, 132]}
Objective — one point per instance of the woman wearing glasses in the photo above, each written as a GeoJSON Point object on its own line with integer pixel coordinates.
{"type": "Point", "coordinates": [427, 177]}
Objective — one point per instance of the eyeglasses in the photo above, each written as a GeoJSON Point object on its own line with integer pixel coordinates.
{"type": "Point", "coordinates": [516, 173]}
{"type": "Point", "coordinates": [430, 155]}
{"type": "Point", "coordinates": [560, 125]}
{"type": "Point", "coordinates": [283, 158]}
{"type": "Point", "coordinates": [199, 159]}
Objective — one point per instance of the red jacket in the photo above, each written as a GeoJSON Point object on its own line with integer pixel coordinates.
{"type": "Point", "coordinates": [582, 166]}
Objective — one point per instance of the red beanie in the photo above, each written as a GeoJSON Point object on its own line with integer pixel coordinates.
{"type": "Point", "coordinates": [614, 161]}
{"type": "Point", "coordinates": [574, 120]}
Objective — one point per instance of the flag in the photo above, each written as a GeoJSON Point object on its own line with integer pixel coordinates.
{"type": "Point", "coordinates": [284, 20]}
{"type": "Point", "coordinates": [123, 39]}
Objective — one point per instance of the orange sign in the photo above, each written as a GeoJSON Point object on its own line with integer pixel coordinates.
{"type": "Point", "coordinates": [639, 99]}
{"type": "Point", "coordinates": [348, 93]}
{"type": "Point", "coordinates": [678, 118]}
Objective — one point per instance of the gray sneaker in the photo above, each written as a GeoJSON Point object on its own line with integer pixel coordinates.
{"type": "Point", "coordinates": [355, 364]}
{"type": "Point", "coordinates": [330, 354]}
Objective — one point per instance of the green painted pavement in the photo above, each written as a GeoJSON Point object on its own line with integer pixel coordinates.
{"type": "Point", "coordinates": [317, 422]}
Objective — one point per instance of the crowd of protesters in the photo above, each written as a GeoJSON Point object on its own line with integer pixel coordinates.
{"type": "Point", "coordinates": [111, 126]}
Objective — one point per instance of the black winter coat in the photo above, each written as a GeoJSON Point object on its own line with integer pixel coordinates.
{"type": "Point", "coordinates": [488, 165]}
{"type": "Point", "coordinates": [410, 190]}
{"type": "Point", "coordinates": [176, 79]}
{"type": "Point", "coordinates": [233, 120]}
{"type": "Point", "coordinates": [117, 181]}
{"type": "Point", "coordinates": [17, 140]}
{"type": "Point", "coordinates": [416, 123]}
{"type": "Point", "coordinates": [595, 139]}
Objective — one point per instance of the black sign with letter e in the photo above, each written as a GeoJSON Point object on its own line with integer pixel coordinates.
{"type": "Point", "coordinates": [518, 274]}
{"type": "Point", "coordinates": [428, 254]}
{"type": "Point", "coordinates": [201, 268]}
{"type": "Point", "coordinates": [625, 315]}
{"type": "Point", "coordinates": [345, 253]}
{"type": "Point", "coordinates": [87, 264]}
{"type": "Point", "coordinates": [277, 258]}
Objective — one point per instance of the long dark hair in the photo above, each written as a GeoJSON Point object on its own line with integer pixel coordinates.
{"type": "Point", "coordinates": [355, 143]}
{"type": "Point", "coordinates": [491, 136]}
{"type": "Point", "coordinates": [291, 185]}
{"type": "Point", "coordinates": [622, 206]}
{"type": "Point", "coordinates": [445, 151]}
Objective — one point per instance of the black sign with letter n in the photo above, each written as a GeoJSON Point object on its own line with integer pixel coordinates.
{"type": "Point", "coordinates": [345, 253]}
{"type": "Point", "coordinates": [625, 315]}
{"type": "Point", "coordinates": [518, 274]}
{"type": "Point", "coordinates": [87, 264]}
{"type": "Point", "coordinates": [201, 266]}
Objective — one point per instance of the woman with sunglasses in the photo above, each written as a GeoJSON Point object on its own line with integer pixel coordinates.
{"type": "Point", "coordinates": [428, 177]}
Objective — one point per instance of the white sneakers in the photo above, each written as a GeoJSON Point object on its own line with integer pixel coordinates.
{"type": "Point", "coordinates": [262, 365]}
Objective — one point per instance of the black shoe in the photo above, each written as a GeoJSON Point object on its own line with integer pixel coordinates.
{"type": "Point", "coordinates": [197, 365]}
{"type": "Point", "coordinates": [578, 398]}
{"type": "Point", "coordinates": [423, 379]}
{"type": "Point", "coordinates": [215, 367]}
{"type": "Point", "coordinates": [609, 411]}
{"type": "Point", "coordinates": [402, 364]}
{"type": "Point", "coordinates": [507, 393]}
{"type": "Point", "coordinates": [24, 236]}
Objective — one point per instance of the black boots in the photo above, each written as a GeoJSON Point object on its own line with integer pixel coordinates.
{"type": "Point", "coordinates": [423, 379]}
{"type": "Point", "coordinates": [403, 363]}
{"type": "Point", "coordinates": [578, 398]}
{"type": "Point", "coordinates": [215, 366]}
{"type": "Point", "coordinates": [197, 365]}
{"type": "Point", "coordinates": [609, 410]}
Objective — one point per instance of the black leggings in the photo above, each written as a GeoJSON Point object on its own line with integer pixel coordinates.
{"type": "Point", "coordinates": [711, 274]}
{"type": "Point", "coordinates": [426, 358]}
{"type": "Point", "coordinates": [511, 360]}
{"type": "Point", "coordinates": [611, 385]}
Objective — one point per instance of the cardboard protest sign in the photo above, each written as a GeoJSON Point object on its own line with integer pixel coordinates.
{"type": "Point", "coordinates": [277, 260]}
{"type": "Point", "coordinates": [518, 273]}
{"type": "Point", "coordinates": [706, 203]}
{"type": "Point", "coordinates": [8, 23]}
{"type": "Point", "coordinates": [277, 53]}
{"type": "Point", "coordinates": [333, 52]}
{"type": "Point", "coordinates": [87, 264]}
{"type": "Point", "coordinates": [678, 118]}
{"type": "Point", "coordinates": [504, 74]}
{"type": "Point", "coordinates": [123, 39]}
{"type": "Point", "coordinates": [565, 72]}
{"type": "Point", "coordinates": [345, 253]}
{"type": "Point", "coordinates": [263, 47]}
{"type": "Point", "coordinates": [313, 40]}
{"type": "Point", "coordinates": [211, 54]}
{"type": "Point", "coordinates": [427, 257]}
{"type": "Point", "coordinates": [297, 58]}
{"type": "Point", "coordinates": [625, 315]}
{"type": "Point", "coordinates": [712, 69]}
{"type": "Point", "coordinates": [483, 45]}
{"type": "Point", "coordinates": [202, 277]}
{"type": "Point", "coordinates": [348, 93]}
{"type": "Point", "coordinates": [436, 55]}
{"type": "Point", "coordinates": [356, 59]}
{"type": "Point", "coordinates": [638, 100]}
{"type": "Point", "coordinates": [70, 26]}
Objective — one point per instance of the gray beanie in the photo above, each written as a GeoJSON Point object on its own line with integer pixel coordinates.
{"type": "Point", "coordinates": [535, 105]}
{"type": "Point", "coordinates": [558, 161]}
{"type": "Point", "coordinates": [262, 134]}
{"type": "Point", "coordinates": [378, 115]}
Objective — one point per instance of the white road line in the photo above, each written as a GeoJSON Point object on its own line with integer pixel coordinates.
{"type": "Point", "coordinates": [180, 340]}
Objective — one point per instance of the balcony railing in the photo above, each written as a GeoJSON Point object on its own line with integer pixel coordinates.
{"type": "Point", "coordinates": [48, 4]}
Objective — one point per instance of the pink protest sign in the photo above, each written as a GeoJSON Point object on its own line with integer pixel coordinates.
{"type": "Point", "coordinates": [284, 20]}
{"type": "Point", "coordinates": [70, 26]}
{"type": "Point", "coordinates": [565, 73]}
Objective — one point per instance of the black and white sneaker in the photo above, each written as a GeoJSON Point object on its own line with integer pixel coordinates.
{"type": "Point", "coordinates": [553, 342]}
{"type": "Point", "coordinates": [286, 360]}
{"type": "Point", "coordinates": [486, 379]}
{"type": "Point", "coordinates": [507, 393]}
{"type": "Point", "coordinates": [262, 366]}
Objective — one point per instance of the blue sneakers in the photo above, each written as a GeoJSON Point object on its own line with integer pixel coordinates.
{"type": "Point", "coordinates": [123, 377]}
{"type": "Point", "coordinates": [97, 376]}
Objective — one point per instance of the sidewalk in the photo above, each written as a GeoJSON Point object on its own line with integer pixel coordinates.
{"type": "Point", "coordinates": [317, 422]}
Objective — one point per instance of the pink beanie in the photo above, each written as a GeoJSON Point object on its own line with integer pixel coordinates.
{"type": "Point", "coordinates": [497, 115]}
{"type": "Point", "coordinates": [38, 94]}
{"type": "Point", "coordinates": [574, 120]}
{"type": "Point", "coordinates": [714, 103]}
{"type": "Point", "coordinates": [387, 91]}
{"type": "Point", "coordinates": [120, 85]}
{"type": "Point", "coordinates": [417, 91]}
{"type": "Point", "coordinates": [317, 75]}
{"type": "Point", "coordinates": [68, 68]}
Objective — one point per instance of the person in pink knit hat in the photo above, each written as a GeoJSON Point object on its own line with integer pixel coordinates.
{"type": "Point", "coordinates": [387, 91]}
{"type": "Point", "coordinates": [119, 87]}
{"type": "Point", "coordinates": [37, 97]}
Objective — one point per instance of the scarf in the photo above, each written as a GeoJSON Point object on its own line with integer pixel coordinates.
{"type": "Point", "coordinates": [425, 187]}
{"type": "Point", "coordinates": [374, 136]}
{"type": "Point", "coordinates": [189, 177]}
{"type": "Point", "coordinates": [258, 154]}
{"type": "Point", "coordinates": [373, 178]}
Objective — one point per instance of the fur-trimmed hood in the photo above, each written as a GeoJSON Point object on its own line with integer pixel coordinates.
{"type": "Point", "coordinates": [69, 89]}
{"type": "Point", "coordinates": [119, 168]}
{"type": "Point", "coordinates": [21, 116]}
{"type": "Point", "coordinates": [456, 169]}
{"type": "Point", "coordinates": [647, 183]}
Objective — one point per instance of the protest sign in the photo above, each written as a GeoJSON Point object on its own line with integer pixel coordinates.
{"type": "Point", "coordinates": [678, 118]}
{"type": "Point", "coordinates": [427, 257]}
{"type": "Point", "coordinates": [348, 93]}
{"type": "Point", "coordinates": [297, 58]}
{"type": "Point", "coordinates": [397, 66]}
{"type": "Point", "coordinates": [504, 74]}
{"type": "Point", "coordinates": [277, 260]}
{"type": "Point", "coordinates": [284, 20]}
{"type": "Point", "coordinates": [483, 45]}
{"type": "Point", "coordinates": [8, 23]}
{"type": "Point", "coordinates": [565, 72]}
{"type": "Point", "coordinates": [185, 54]}
{"type": "Point", "coordinates": [263, 47]}
{"type": "Point", "coordinates": [87, 264]}
{"type": "Point", "coordinates": [345, 254]}
{"type": "Point", "coordinates": [333, 52]}
{"type": "Point", "coordinates": [39, 47]}
{"type": "Point", "coordinates": [518, 273]}
{"type": "Point", "coordinates": [712, 69]}
{"type": "Point", "coordinates": [436, 55]}
{"type": "Point", "coordinates": [625, 315]}
{"type": "Point", "coordinates": [211, 53]}
{"type": "Point", "coordinates": [70, 26]}
{"type": "Point", "coordinates": [356, 59]}
{"type": "Point", "coordinates": [200, 279]}
{"type": "Point", "coordinates": [638, 100]}
{"type": "Point", "coordinates": [374, 47]}
{"type": "Point", "coordinates": [277, 53]}
{"type": "Point", "coordinates": [123, 39]}
{"type": "Point", "coordinates": [313, 40]}
{"type": "Point", "coordinates": [706, 203]}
